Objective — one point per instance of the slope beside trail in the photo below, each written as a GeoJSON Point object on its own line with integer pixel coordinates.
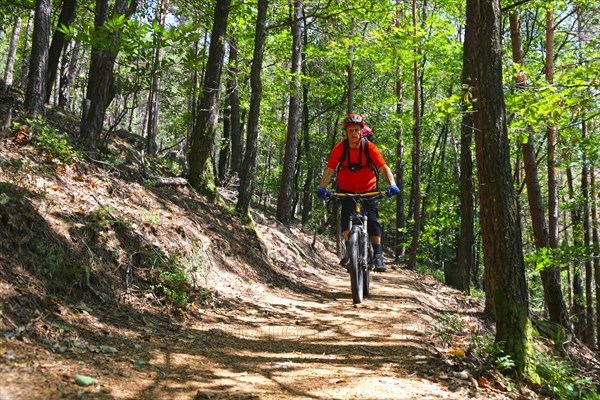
{"type": "Point", "coordinates": [270, 316]}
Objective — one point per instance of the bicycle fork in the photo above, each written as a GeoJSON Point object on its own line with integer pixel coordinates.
{"type": "Point", "coordinates": [364, 263]}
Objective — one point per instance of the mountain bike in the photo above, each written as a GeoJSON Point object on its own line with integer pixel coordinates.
{"type": "Point", "coordinates": [360, 251]}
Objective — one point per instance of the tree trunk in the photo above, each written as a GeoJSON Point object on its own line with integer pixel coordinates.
{"type": "Point", "coordinates": [12, 52]}
{"type": "Point", "coordinates": [286, 187]}
{"type": "Point", "coordinates": [400, 229]}
{"type": "Point", "coordinates": [249, 164]}
{"type": "Point", "coordinates": [350, 71]}
{"type": "Point", "coordinates": [100, 87]}
{"type": "Point", "coordinates": [68, 72]}
{"type": "Point", "coordinates": [460, 278]}
{"type": "Point", "coordinates": [307, 189]}
{"type": "Point", "coordinates": [66, 17]}
{"type": "Point", "coordinates": [237, 148]}
{"type": "Point", "coordinates": [24, 76]}
{"type": "Point", "coordinates": [502, 236]}
{"type": "Point", "coordinates": [595, 249]}
{"type": "Point", "coordinates": [152, 120]}
{"type": "Point", "coordinates": [550, 276]}
{"type": "Point", "coordinates": [205, 127]}
{"type": "Point", "coordinates": [578, 314]}
{"type": "Point", "coordinates": [588, 337]}
{"type": "Point", "coordinates": [225, 154]}
{"type": "Point", "coordinates": [400, 233]}
{"type": "Point", "coordinates": [553, 235]}
{"type": "Point", "coordinates": [415, 193]}
{"type": "Point", "coordinates": [36, 86]}
{"type": "Point", "coordinates": [310, 171]}
{"type": "Point", "coordinates": [225, 144]}
{"type": "Point", "coordinates": [585, 194]}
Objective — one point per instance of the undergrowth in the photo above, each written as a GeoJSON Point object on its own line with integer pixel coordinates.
{"type": "Point", "coordinates": [51, 142]}
{"type": "Point", "coordinates": [560, 377]}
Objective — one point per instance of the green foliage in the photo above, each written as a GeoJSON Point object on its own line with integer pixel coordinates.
{"type": "Point", "coordinates": [51, 142]}
{"type": "Point", "coordinates": [448, 326]}
{"type": "Point", "coordinates": [487, 348]}
{"type": "Point", "coordinates": [61, 267]}
{"type": "Point", "coordinates": [560, 378]}
{"type": "Point", "coordinates": [543, 258]}
{"type": "Point", "coordinates": [16, 163]}
{"type": "Point", "coordinates": [104, 217]}
{"type": "Point", "coordinates": [170, 279]}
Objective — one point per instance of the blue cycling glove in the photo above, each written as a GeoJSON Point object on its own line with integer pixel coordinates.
{"type": "Point", "coordinates": [322, 193]}
{"type": "Point", "coordinates": [392, 190]}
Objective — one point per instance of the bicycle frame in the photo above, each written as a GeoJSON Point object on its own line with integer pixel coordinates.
{"type": "Point", "coordinates": [359, 244]}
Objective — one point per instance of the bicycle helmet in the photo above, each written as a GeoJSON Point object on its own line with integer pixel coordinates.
{"type": "Point", "coordinates": [354, 119]}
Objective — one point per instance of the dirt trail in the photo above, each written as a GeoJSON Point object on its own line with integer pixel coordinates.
{"type": "Point", "coordinates": [306, 343]}
{"type": "Point", "coordinates": [310, 345]}
{"type": "Point", "coordinates": [280, 324]}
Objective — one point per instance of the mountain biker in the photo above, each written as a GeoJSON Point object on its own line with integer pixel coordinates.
{"type": "Point", "coordinates": [357, 176]}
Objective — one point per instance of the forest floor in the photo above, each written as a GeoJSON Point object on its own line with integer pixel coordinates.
{"type": "Point", "coordinates": [88, 256]}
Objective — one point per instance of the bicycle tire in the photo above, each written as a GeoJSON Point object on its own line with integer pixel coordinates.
{"type": "Point", "coordinates": [367, 273]}
{"type": "Point", "coordinates": [356, 271]}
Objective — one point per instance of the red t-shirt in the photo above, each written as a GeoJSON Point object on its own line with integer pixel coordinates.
{"type": "Point", "coordinates": [363, 180]}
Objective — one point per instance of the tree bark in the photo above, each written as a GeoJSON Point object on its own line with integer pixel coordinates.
{"type": "Point", "coordinates": [237, 148]}
{"type": "Point", "coordinates": [400, 233]}
{"type": "Point", "coordinates": [66, 17]}
{"type": "Point", "coordinates": [415, 192]}
{"type": "Point", "coordinates": [460, 278]}
{"type": "Point", "coordinates": [588, 334]}
{"type": "Point", "coordinates": [68, 72]}
{"type": "Point", "coordinates": [287, 188]}
{"type": "Point", "coordinates": [205, 128]}
{"type": "Point", "coordinates": [225, 145]}
{"type": "Point", "coordinates": [307, 190]}
{"type": "Point", "coordinates": [100, 87]}
{"type": "Point", "coordinates": [249, 164]}
{"type": "Point", "coordinates": [152, 120]}
{"type": "Point", "coordinates": [24, 76]}
{"type": "Point", "coordinates": [36, 86]}
{"type": "Point", "coordinates": [550, 276]}
{"type": "Point", "coordinates": [12, 52]}
{"type": "Point", "coordinates": [595, 248]}
{"type": "Point", "coordinates": [578, 314]}
{"type": "Point", "coordinates": [585, 194]}
{"type": "Point", "coordinates": [502, 235]}
{"type": "Point", "coordinates": [553, 235]}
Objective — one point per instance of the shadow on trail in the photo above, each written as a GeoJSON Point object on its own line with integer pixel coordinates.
{"type": "Point", "coordinates": [175, 359]}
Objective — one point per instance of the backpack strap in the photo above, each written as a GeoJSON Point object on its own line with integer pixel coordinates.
{"type": "Point", "coordinates": [364, 144]}
{"type": "Point", "coordinates": [364, 148]}
{"type": "Point", "coordinates": [369, 162]}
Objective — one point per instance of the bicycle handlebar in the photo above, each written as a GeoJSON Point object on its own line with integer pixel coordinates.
{"type": "Point", "coordinates": [335, 195]}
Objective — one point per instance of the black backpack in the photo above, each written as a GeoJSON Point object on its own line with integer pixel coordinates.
{"type": "Point", "coordinates": [364, 148]}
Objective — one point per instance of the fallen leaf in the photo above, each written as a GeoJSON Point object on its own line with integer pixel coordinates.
{"type": "Point", "coordinates": [108, 349]}
{"type": "Point", "coordinates": [457, 352]}
{"type": "Point", "coordinates": [484, 383]}
{"type": "Point", "coordinates": [83, 380]}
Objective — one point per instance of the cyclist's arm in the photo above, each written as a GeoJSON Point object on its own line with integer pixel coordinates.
{"type": "Point", "coordinates": [387, 174]}
{"type": "Point", "coordinates": [327, 174]}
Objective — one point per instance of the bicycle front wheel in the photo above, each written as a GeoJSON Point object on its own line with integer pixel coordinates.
{"type": "Point", "coordinates": [356, 270]}
{"type": "Point", "coordinates": [367, 268]}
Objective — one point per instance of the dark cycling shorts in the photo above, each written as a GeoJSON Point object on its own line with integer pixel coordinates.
{"type": "Point", "coordinates": [371, 207]}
